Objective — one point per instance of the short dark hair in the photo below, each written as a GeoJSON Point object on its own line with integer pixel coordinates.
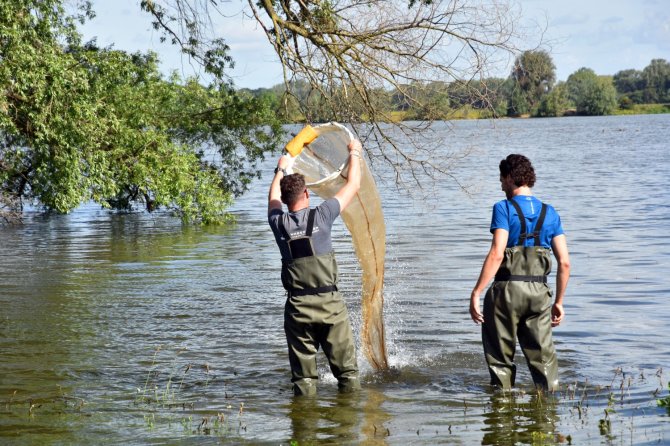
{"type": "Point", "coordinates": [291, 187]}
{"type": "Point", "coordinates": [519, 168]}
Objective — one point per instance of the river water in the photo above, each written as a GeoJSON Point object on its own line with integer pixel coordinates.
{"type": "Point", "coordinates": [131, 329]}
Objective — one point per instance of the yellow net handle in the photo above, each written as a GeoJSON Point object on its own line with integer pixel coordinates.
{"type": "Point", "coordinates": [305, 136]}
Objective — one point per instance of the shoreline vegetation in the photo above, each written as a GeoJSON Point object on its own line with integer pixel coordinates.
{"type": "Point", "coordinates": [470, 113]}
{"type": "Point", "coordinates": [531, 90]}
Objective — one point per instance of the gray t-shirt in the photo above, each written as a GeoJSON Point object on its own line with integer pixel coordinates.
{"type": "Point", "coordinates": [295, 224]}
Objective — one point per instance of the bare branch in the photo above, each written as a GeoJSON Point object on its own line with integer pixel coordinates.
{"type": "Point", "coordinates": [347, 50]}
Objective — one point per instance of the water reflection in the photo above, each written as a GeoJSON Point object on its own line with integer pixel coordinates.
{"type": "Point", "coordinates": [375, 418]}
{"type": "Point", "coordinates": [317, 419]}
{"type": "Point", "coordinates": [518, 418]}
{"type": "Point", "coordinates": [344, 418]}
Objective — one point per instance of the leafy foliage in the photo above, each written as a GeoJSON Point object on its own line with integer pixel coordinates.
{"type": "Point", "coordinates": [651, 85]}
{"type": "Point", "coordinates": [81, 123]}
{"type": "Point", "coordinates": [657, 81]}
{"type": "Point", "coordinates": [591, 94]}
{"type": "Point", "coordinates": [554, 103]}
{"type": "Point", "coordinates": [533, 76]}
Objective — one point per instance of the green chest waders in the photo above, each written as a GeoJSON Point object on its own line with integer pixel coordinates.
{"type": "Point", "coordinates": [315, 315]}
{"type": "Point", "coordinates": [518, 305]}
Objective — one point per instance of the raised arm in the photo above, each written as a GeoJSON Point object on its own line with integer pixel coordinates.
{"type": "Point", "coordinates": [274, 196]}
{"type": "Point", "coordinates": [349, 190]}
{"type": "Point", "coordinates": [489, 269]}
{"type": "Point", "coordinates": [560, 248]}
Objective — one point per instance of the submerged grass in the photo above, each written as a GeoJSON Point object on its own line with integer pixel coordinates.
{"type": "Point", "coordinates": [620, 412]}
{"type": "Point", "coordinates": [160, 385]}
{"type": "Point", "coordinates": [174, 398]}
{"type": "Point", "coordinates": [174, 384]}
{"type": "Point", "coordinates": [58, 402]}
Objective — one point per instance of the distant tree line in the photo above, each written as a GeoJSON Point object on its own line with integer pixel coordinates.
{"type": "Point", "coordinates": [530, 90]}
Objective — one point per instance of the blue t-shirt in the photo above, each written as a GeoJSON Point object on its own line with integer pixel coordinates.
{"type": "Point", "coordinates": [505, 217]}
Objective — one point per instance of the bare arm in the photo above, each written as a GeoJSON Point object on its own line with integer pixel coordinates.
{"type": "Point", "coordinates": [274, 196]}
{"type": "Point", "coordinates": [491, 264]}
{"type": "Point", "coordinates": [560, 248]}
{"type": "Point", "coordinates": [349, 190]}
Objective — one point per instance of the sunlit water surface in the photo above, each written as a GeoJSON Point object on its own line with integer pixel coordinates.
{"type": "Point", "coordinates": [131, 329]}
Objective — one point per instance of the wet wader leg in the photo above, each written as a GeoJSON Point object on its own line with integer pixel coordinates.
{"type": "Point", "coordinates": [538, 347]}
{"type": "Point", "coordinates": [302, 350]}
{"type": "Point", "coordinates": [337, 341]}
{"type": "Point", "coordinates": [315, 315]}
{"type": "Point", "coordinates": [499, 337]}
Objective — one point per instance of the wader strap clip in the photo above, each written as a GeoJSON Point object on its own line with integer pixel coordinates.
{"type": "Point", "coordinates": [519, 278]}
{"type": "Point", "coordinates": [306, 291]}
{"type": "Point", "coordinates": [523, 235]}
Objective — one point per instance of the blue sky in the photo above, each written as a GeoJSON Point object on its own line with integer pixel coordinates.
{"type": "Point", "coordinates": [604, 35]}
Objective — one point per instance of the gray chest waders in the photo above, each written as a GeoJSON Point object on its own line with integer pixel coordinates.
{"type": "Point", "coordinates": [518, 305]}
{"type": "Point", "coordinates": [315, 315]}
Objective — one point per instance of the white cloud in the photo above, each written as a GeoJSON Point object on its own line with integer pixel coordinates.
{"type": "Point", "coordinates": [570, 20]}
{"type": "Point", "coordinates": [655, 30]}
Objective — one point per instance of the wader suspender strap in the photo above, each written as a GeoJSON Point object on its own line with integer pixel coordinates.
{"type": "Point", "coordinates": [522, 219]}
{"type": "Point", "coordinates": [522, 238]}
{"type": "Point", "coordinates": [308, 230]}
{"type": "Point", "coordinates": [308, 233]}
{"type": "Point", "coordinates": [310, 222]}
{"type": "Point", "coordinates": [283, 231]}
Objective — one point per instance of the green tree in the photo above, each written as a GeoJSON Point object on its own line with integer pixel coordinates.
{"type": "Point", "coordinates": [554, 103]}
{"type": "Point", "coordinates": [79, 123]}
{"type": "Point", "coordinates": [591, 94]}
{"type": "Point", "coordinates": [533, 76]}
{"type": "Point", "coordinates": [488, 95]}
{"type": "Point", "coordinates": [657, 81]}
{"type": "Point", "coordinates": [517, 102]}
{"type": "Point", "coordinates": [579, 82]}
{"type": "Point", "coordinates": [430, 101]}
{"type": "Point", "coordinates": [630, 84]}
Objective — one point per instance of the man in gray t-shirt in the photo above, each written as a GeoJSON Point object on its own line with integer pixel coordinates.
{"type": "Point", "coordinates": [296, 223]}
{"type": "Point", "coordinates": [314, 314]}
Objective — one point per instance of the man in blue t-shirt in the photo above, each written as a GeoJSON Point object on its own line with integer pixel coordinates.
{"type": "Point", "coordinates": [518, 304]}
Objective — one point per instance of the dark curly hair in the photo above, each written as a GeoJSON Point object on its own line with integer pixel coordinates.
{"type": "Point", "coordinates": [291, 187]}
{"type": "Point", "coordinates": [520, 168]}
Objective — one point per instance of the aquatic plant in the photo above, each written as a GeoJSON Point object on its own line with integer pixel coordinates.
{"type": "Point", "coordinates": [164, 394]}
{"type": "Point", "coordinates": [665, 401]}
{"type": "Point", "coordinates": [565, 416]}
{"type": "Point", "coordinates": [160, 395]}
